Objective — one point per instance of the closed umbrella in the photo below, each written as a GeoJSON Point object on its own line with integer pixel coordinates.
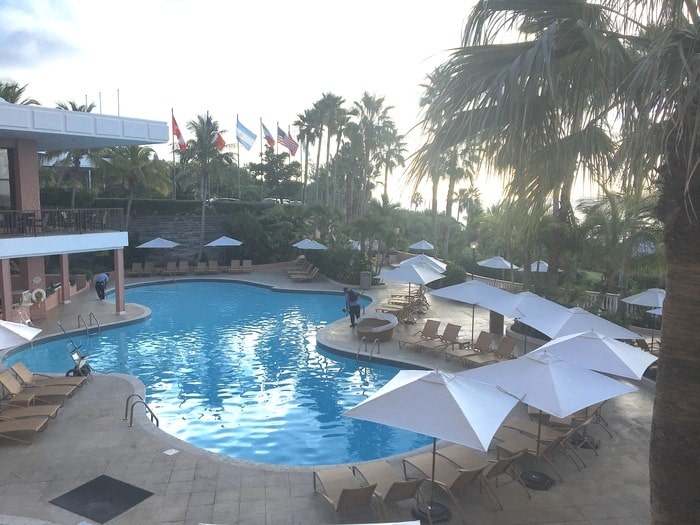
{"type": "Point", "coordinates": [600, 353]}
{"type": "Point", "coordinates": [14, 334]}
{"type": "Point", "coordinates": [440, 405]}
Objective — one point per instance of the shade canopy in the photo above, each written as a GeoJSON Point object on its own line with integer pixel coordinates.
{"type": "Point", "coordinates": [434, 263]}
{"type": "Point", "coordinates": [599, 352]}
{"type": "Point", "coordinates": [579, 320]}
{"type": "Point", "coordinates": [309, 244]}
{"type": "Point", "coordinates": [224, 241]}
{"type": "Point", "coordinates": [497, 262]}
{"type": "Point", "coordinates": [527, 307]}
{"type": "Point", "coordinates": [14, 334]}
{"type": "Point", "coordinates": [158, 242]}
{"type": "Point", "coordinates": [653, 297]}
{"type": "Point", "coordinates": [472, 292]}
{"type": "Point", "coordinates": [413, 274]}
{"type": "Point", "coordinates": [438, 404]}
{"type": "Point", "coordinates": [421, 245]}
{"type": "Point", "coordinates": [549, 383]}
{"type": "Point", "coordinates": [539, 267]}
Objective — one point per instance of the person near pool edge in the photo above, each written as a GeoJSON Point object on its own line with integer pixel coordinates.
{"type": "Point", "coordinates": [101, 284]}
{"type": "Point", "coordinates": [352, 304]}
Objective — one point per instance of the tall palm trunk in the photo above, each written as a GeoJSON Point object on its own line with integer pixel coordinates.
{"type": "Point", "coordinates": [448, 215]}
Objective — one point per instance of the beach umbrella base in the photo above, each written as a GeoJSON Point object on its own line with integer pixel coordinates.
{"type": "Point", "coordinates": [433, 512]}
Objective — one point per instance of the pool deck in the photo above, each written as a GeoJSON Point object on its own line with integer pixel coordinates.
{"type": "Point", "coordinates": [192, 486]}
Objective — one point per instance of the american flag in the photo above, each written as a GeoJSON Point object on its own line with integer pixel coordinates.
{"type": "Point", "coordinates": [287, 141]}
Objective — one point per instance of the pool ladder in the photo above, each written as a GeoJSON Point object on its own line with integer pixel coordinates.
{"type": "Point", "coordinates": [129, 412]}
{"type": "Point", "coordinates": [366, 343]}
{"type": "Point", "coordinates": [91, 317]}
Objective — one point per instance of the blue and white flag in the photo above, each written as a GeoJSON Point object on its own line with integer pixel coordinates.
{"type": "Point", "coordinates": [244, 135]}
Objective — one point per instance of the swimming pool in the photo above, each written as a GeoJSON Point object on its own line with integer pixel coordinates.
{"type": "Point", "coordinates": [235, 369]}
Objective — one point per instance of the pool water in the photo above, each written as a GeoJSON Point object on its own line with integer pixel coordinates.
{"type": "Point", "coordinates": [235, 369]}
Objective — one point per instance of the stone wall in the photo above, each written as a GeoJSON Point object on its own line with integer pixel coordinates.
{"type": "Point", "coordinates": [183, 229]}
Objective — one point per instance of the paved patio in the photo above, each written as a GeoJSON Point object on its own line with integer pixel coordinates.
{"type": "Point", "coordinates": [90, 438]}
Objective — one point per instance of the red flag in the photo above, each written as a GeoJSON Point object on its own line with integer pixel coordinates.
{"type": "Point", "coordinates": [219, 141]}
{"type": "Point", "coordinates": [180, 139]}
{"type": "Point", "coordinates": [268, 136]}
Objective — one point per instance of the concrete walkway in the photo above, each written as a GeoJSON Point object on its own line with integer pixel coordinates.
{"type": "Point", "coordinates": [192, 486]}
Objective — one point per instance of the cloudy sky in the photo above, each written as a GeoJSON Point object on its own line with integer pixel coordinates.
{"type": "Point", "coordinates": [266, 60]}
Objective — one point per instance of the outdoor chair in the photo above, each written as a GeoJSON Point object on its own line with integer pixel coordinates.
{"type": "Point", "coordinates": [170, 268]}
{"type": "Point", "coordinates": [234, 267]}
{"type": "Point", "coordinates": [503, 351]}
{"type": "Point", "coordinates": [183, 268]}
{"type": "Point", "coordinates": [149, 268]}
{"type": "Point", "coordinates": [305, 277]}
{"type": "Point", "coordinates": [201, 268]}
{"type": "Point", "coordinates": [247, 266]}
{"type": "Point", "coordinates": [449, 337]}
{"type": "Point", "coordinates": [19, 395]}
{"type": "Point", "coordinates": [213, 267]}
{"type": "Point", "coordinates": [136, 269]}
{"type": "Point", "coordinates": [28, 378]}
{"type": "Point", "coordinates": [391, 486]}
{"type": "Point", "coordinates": [342, 489]}
{"type": "Point", "coordinates": [429, 331]}
{"type": "Point", "coordinates": [482, 345]}
{"type": "Point", "coordinates": [14, 428]}
{"type": "Point", "coordinates": [451, 479]}
{"type": "Point", "coordinates": [9, 412]}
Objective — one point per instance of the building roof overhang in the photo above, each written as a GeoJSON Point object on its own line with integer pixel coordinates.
{"type": "Point", "coordinates": [58, 129]}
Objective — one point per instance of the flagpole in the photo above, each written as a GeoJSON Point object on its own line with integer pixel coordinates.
{"type": "Point", "coordinates": [238, 152]}
{"type": "Point", "coordinates": [172, 118]}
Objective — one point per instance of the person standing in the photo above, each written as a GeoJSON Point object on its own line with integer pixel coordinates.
{"type": "Point", "coordinates": [352, 304]}
{"type": "Point", "coordinates": [101, 284]}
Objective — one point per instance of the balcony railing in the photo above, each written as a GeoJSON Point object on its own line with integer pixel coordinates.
{"type": "Point", "coordinates": [19, 223]}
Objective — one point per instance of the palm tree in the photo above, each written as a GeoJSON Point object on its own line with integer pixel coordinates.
{"type": "Point", "coordinates": [469, 201]}
{"type": "Point", "coordinates": [540, 98]}
{"type": "Point", "coordinates": [305, 123]}
{"type": "Point", "coordinates": [12, 92]}
{"type": "Point", "coordinates": [390, 154]}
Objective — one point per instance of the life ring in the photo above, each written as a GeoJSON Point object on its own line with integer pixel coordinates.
{"type": "Point", "coordinates": [38, 295]}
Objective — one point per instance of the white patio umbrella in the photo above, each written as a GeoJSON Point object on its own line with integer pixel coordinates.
{"type": "Point", "coordinates": [656, 311]}
{"type": "Point", "coordinates": [439, 405]}
{"type": "Point", "coordinates": [550, 383]}
{"type": "Point", "coordinates": [497, 262]}
{"type": "Point", "coordinates": [600, 353]}
{"type": "Point", "coordinates": [539, 267]}
{"type": "Point", "coordinates": [653, 297]}
{"type": "Point", "coordinates": [472, 292]}
{"type": "Point", "coordinates": [412, 274]}
{"type": "Point", "coordinates": [434, 263]}
{"type": "Point", "coordinates": [421, 245]}
{"type": "Point", "coordinates": [159, 242]}
{"type": "Point", "coordinates": [224, 241]}
{"type": "Point", "coordinates": [309, 244]}
{"type": "Point", "coordinates": [579, 320]}
{"type": "Point", "coordinates": [14, 334]}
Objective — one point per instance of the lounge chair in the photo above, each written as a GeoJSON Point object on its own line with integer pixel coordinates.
{"type": "Point", "coordinates": [308, 277]}
{"type": "Point", "coordinates": [170, 268]}
{"type": "Point", "coordinates": [247, 266]}
{"type": "Point", "coordinates": [464, 457]}
{"type": "Point", "coordinates": [213, 267]}
{"type": "Point", "coordinates": [201, 268]}
{"type": "Point", "coordinates": [342, 490]}
{"type": "Point", "coordinates": [448, 476]}
{"type": "Point", "coordinates": [503, 351]}
{"type": "Point", "coordinates": [390, 485]}
{"type": "Point", "coordinates": [482, 345]}
{"type": "Point", "coordinates": [19, 395]}
{"type": "Point", "coordinates": [8, 412]}
{"type": "Point", "coordinates": [136, 269]}
{"type": "Point", "coordinates": [448, 338]}
{"type": "Point", "coordinates": [28, 378]}
{"type": "Point", "coordinates": [149, 268]}
{"type": "Point", "coordinates": [183, 268]}
{"type": "Point", "coordinates": [429, 331]}
{"type": "Point", "coordinates": [234, 267]}
{"type": "Point", "coordinates": [12, 429]}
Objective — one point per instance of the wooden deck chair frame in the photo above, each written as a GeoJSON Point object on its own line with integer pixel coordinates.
{"type": "Point", "coordinates": [342, 490]}
{"type": "Point", "coordinates": [28, 395]}
{"type": "Point", "coordinates": [183, 268]}
{"type": "Point", "coordinates": [247, 265]}
{"type": "Point", "coordinates": [391, 487]}
{"type": "Point", "coordinates": [28, 378]}
{"type": "Point", "coordinates": [503, 351]}
{"type": "Point", "coordinates": [482, 345]}
{"type": "Point", "coordinates": [234, 267]}
{"type": "Point", "coordinates": [9, 412]}
{"type": "Point", "coordinates": [500, 467]}
{"type": "Point", "coordinates": [136, 269]}
{"type": "Point", "coordinates": [213, 267]}
{"type": "Point", "coordinates": [10, 429]}
{"type": "Point", "coordinates": [201, 268]}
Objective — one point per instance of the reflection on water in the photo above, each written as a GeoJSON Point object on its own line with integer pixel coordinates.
{"type": "Point", "coordinates": [235, 369]}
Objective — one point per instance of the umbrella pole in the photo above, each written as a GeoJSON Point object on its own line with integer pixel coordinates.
{"type": "Point", "coordinates": [472, 326]}
{"type": "Point", "coordinates": [435, 512]}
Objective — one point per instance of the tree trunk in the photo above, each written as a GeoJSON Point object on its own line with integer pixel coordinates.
{"type": "Point", "coordinates": [675, 447]}
{"type": "Point", "coordinates": [448, 216]}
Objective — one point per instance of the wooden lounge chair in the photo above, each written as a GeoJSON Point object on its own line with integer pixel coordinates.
{"type": "Point", "coordinates": [136, 269]}
{"type": "Point", "coordinates": [170, 268]}
{"type": "Point", "coordinates": [19, 395]}
{"type": "Point", "coordinates": [201, 268]}
{"type": "Point", "coordinates": [448, 338]}
{"type": "Point", "coordinates": [308, 277]}
{"type": "Point", "coordinates": [13, 429]}
{"type": "Point", "coordinates": [429, 331]}
{"type": "Point", "coordinates": [391, 486]}
{"type": "Point", "coordinates": [503, 351]}
{"type": "Point", "coordinates": [183, 268]}
{"type": "Point", "coordinates": [28, 378]}
{"type": "Point", "coordinates": [247, 266]}
{"type": "Point", "coordinates": [149, 268]}
{"type": "Point", "coordinates": [449, 477]}
{"type": "Point", "coordinates": [8, 412]}
{"type": "Point", "coordinates": [342, 490]}
{"type": "Point", "coordinates": [234, 267]}
{"type": "Point", "coordinates": [482, 345]}
{"type": "Point", "coordinates": [213, 267]}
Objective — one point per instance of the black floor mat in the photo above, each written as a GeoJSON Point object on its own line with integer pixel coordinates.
{"type": "Point", "coordinates": [101, 499]}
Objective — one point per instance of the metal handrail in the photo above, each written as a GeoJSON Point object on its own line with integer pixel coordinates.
{"type": "Point", "coordinates": [97, 323]}
{"type": "Point", "coordinates": [139, 401]}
